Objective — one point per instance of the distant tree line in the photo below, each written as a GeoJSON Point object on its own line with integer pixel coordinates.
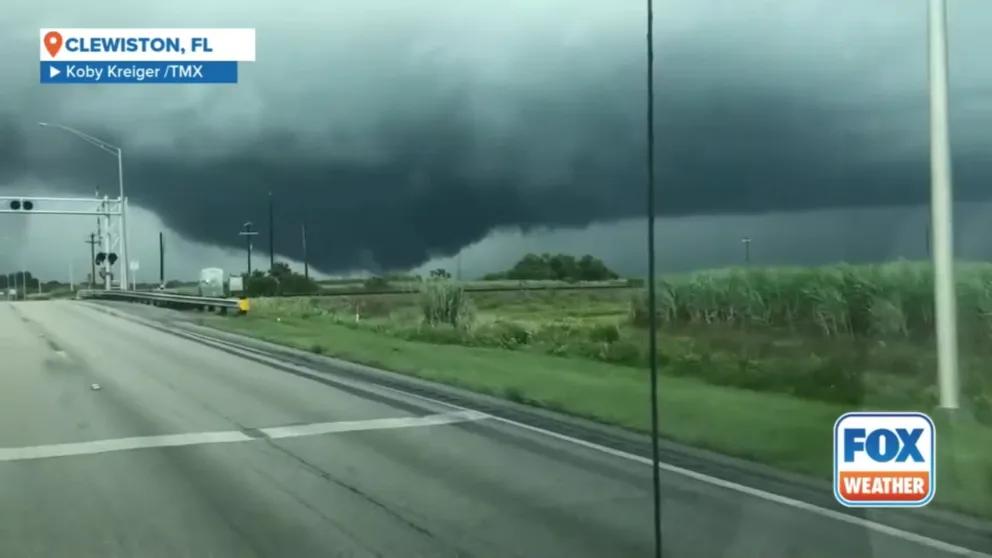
{"type": "Point", "coordinates": [560, 267]}
{"type": "Point", "coordinates": [20, 280]}
{"type": "Point", "coordinates": [280, 280]}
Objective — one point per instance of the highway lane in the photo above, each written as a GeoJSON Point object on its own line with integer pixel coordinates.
{"type": "Point", "coordinates": [272, 464]}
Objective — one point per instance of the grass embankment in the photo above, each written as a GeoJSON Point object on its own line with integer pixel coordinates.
{"type": "Point", "coordinates": [761, 390]}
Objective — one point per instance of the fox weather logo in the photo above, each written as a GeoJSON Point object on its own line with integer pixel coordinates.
{"type": "Point", "coordinates": [884, 459]}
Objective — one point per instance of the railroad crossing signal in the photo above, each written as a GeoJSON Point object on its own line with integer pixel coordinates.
{"type": "Point", "coordinates": [21, 205]}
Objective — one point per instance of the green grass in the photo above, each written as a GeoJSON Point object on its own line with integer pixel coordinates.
{"type": "Point", "coordinates": [778, 429]}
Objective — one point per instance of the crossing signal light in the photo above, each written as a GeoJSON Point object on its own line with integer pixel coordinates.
{"type": "Point", "coordinates": [112, 257]}
{"type": "Point", "coordinates": [100, 256]}
{"type": "Point", "coordinates": [17, 205]}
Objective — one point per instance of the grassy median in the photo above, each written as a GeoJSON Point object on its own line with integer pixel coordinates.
{"type": "Point", "coordinates": [578, 353]}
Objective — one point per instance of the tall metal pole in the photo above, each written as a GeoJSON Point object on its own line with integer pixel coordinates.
{"type": "Point", "coordinates": [123, 228]}
{"type": "Point", "coordinates": [272, 245]}
{"type": "Point", "coordinates": [161, 259]}
{"type": "Point", "coordinates": [306, 260]}
{"type": "Point", "coordinates": [941, 207]}
{"type": "Point", "coordinates": [652, 314]}
{"type": "Point", "coordinates": [92, 243]}
{"type": "Point", "coordinates": [106, 244]}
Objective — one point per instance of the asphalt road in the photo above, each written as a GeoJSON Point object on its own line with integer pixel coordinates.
{"type": "Point", "coordinates": [185, 450]}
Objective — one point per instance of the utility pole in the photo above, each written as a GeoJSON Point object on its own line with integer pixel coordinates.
{"type": "Point", "coordinates": [161, 259]}
{"type": "Point", "coordinates": [306, 261]}
{"type": "Point", "coordinates": [92, 243]}
{"type": "Point", "coordinates": [248, 234]}
{"type": "Point", "coordinates": [272, 245]}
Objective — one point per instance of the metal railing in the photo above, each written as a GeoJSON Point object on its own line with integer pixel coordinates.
{"type": "Point", "coordinates": [170, 300]}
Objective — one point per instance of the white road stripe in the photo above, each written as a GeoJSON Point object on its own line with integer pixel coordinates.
{"type": "Point", "coordinates": [120, 444]}
{"type": "Point", "coordinates": [372, 424]}
{"type": "Point", "coordinates": [201, 438]}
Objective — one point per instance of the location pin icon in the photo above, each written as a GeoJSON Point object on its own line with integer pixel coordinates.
{"type": "Point", "coordinates": [53, 42]}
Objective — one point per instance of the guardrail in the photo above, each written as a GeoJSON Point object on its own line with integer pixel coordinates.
{"type": "Point", "coordinates": [170, 300]}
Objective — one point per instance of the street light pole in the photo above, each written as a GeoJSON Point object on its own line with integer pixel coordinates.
{"type": "Point", "coordinates": [941, 208]}
{"type": "Point", "coordinates": [125, 262]}
{"type": "Point", "coordinates": [119, 153]}
{"type": "Point", "coordinates": [746, 241]}
{"type": "Point", "coordinates": [107, 278]}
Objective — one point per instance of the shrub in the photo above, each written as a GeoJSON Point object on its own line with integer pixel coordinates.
{"type": "Point", "coordinates": [622, 352]}
{"type": "Point", "coordinates": [558, 332]}
{"type": "Point", "coordinates": [506, 335]}
{"type": "Point", "coordinates": [444, 302]}
{"type": "Point", "coordinates": [260, 284]}
{"type": "Point", "coordinates": [514, 394]}
{"type": "Point", "coordinates": [442, 334]}
{"type": "Point", "coordinates": [376, 284]}
{"type": "Point", "coordinates": [689, 364]}
{"type": "Point", "coordinates": [982, 406]}
{"type": "Point", "coordinates": [316, 348]}
{"type": "Point", "coordinates": [834, 380]}
{"type": "Point", "coordinates": [605, 333]}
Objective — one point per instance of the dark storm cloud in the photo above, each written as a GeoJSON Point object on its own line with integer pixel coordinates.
{"type": "Point", "coordinates": [419, 152]}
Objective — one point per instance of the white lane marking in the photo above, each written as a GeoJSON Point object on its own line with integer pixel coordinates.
{"type": "Point", "coordinates": [729, 485]}
{"type": "Point", "coordinates": [228, 436]}
{"type": "Point", "coordinates": [372, 424]}
{"type": "Point", "coordinates": [120, 444]}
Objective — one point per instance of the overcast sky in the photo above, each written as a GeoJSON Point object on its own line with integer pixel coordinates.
{"type": "Point", "coordinates": [406, 132]}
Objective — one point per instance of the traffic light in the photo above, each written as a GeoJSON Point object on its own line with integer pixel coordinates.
{"type": "Point", "coordinates": [18, 205]}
